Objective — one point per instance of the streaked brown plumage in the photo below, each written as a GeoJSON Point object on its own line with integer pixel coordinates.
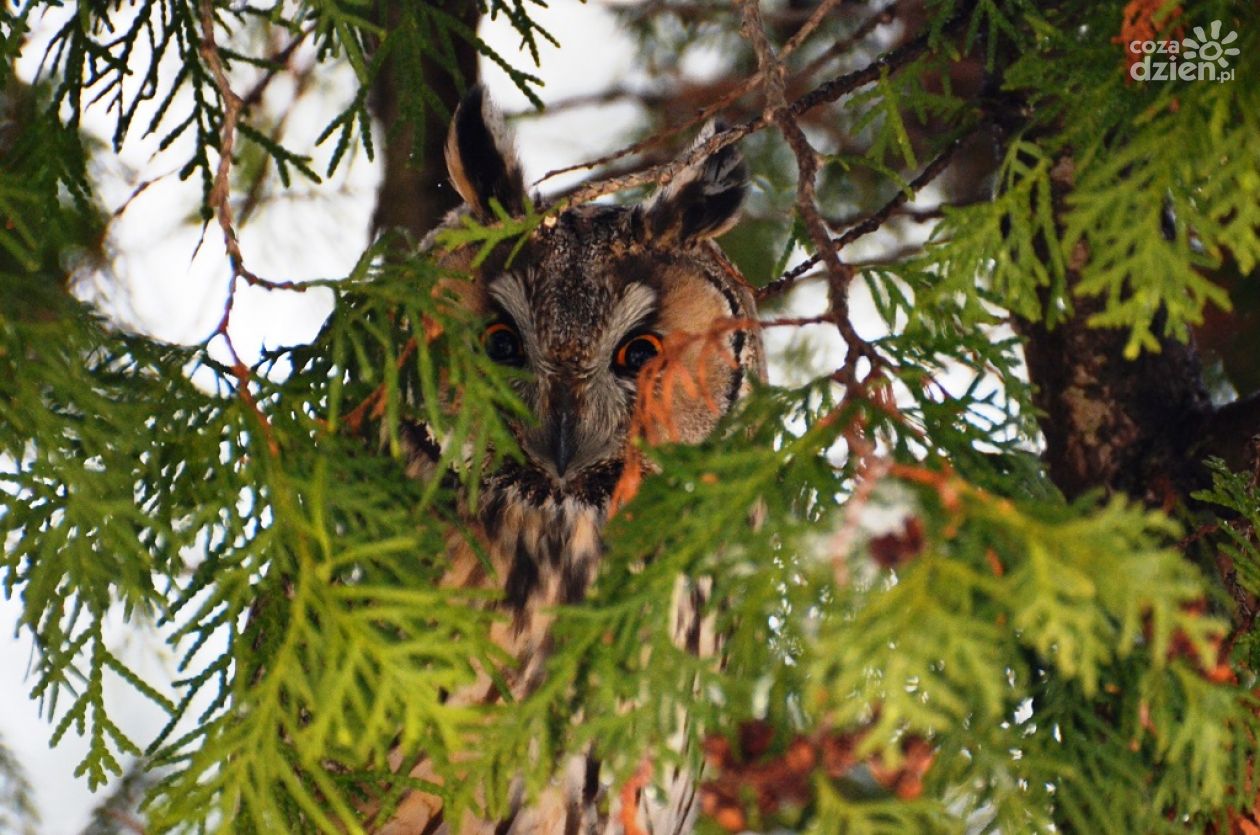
{"type": "Point", "coordinates": [587, 300]}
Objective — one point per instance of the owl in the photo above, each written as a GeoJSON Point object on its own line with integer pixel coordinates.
{"type": "Point", "coordinates": [593, 295]}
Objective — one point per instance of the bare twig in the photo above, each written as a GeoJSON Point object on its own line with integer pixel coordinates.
{"type": "Point", "coordinates": [911, 214]}
{"type": "Point", "coordinates": [807, 28]}
{"type": "Point", "coordinates": [726, 100]}
{"type": "Point", "coordinates": [220, 190]}
{"type": "Point", "coordinates": [126, 820]}
{"type": "Point", "coordinates": [655, 139]}
{"type": "Point", "coordinates": [844, 45]}
{"type": "Point", "coordinates": [892, 256]}
{"type": "Point", "coordinates": [705, 11]}
{"type": "Point", "coordinates": [770, 69]}
{"type": "Point", "coordinates": [279, 61]}
{"type": "Point", "coordinates": [220, 201]}
{"type": "Point", "coordinates": [889, 62]}
{"type": "Point", "coordinates": [839, 275]}
{"type": "Point", "coordinates": [621, 169]}
{"type": "Point", "coordinates": [304, 79]}
{"type": "Point", "coordinates": [870, 472]}
{"type": "Point", "coordinates": [872, 222]}
{"type": "Point", "coordinates": [647, 98]}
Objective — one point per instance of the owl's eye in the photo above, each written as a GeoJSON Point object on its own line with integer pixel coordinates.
{"type": "Point", "coordinates": [503, 344]}
{"type": "Point", "coordinates": [634, 353]}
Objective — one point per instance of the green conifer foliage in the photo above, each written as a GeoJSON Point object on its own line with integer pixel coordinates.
{"type": "Point", "coordinates": [1000, 659]}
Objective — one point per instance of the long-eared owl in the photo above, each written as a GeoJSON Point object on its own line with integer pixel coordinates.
{"type": "Point", "coordinates": [592, 296]}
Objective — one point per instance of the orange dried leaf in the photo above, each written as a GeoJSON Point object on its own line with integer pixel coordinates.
{"type": "Point", "coordinates": [627, 486]}
{"type": "Point", "coordinates": [1146, 20]}
{"type": "Point", "coordinates": [630, 799]}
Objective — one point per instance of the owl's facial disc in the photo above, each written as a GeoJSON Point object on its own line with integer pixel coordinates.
{"type": "Point", "coordinates": [582, 338]}
{"type": "Point", "coordinates": [581, 422]}
{"type": "Point", "coordinates": [582, 409]}
{"type": "Point", "coordinates": [592, 294]}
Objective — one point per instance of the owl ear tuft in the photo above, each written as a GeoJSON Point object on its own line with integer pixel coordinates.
{"type": "Point", "coordinates": [481, 158]}
{"type": "Point", "coordinates": [703, 199]}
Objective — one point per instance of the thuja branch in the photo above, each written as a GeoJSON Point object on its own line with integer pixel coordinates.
{"type": "Point", "coordinates": [890, 62]}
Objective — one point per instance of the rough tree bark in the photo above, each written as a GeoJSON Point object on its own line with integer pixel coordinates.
{"type": "Point", "coordinates": [1109, 422]}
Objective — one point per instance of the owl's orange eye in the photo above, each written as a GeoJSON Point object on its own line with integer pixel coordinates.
{"type": "Point", "coordinates": [503, 344]}
{"type": "Point", "coordinates": [634, 353]}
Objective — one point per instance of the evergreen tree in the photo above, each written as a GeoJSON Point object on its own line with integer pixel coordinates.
{"type": "Point", "coordinates": [1056, 632]}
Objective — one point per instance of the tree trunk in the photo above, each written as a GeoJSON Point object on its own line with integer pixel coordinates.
{"type": "Point", "coordinates": [414, 193]}
{"type": "Point", "coordinates": [1141, 427]}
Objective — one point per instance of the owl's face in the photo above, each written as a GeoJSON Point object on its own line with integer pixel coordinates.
{"type": "Point", "coordinates": [594, 295]}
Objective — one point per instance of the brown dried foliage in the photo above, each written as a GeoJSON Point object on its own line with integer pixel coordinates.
{"type": "Point", "coordinates": [896, 548]}
{"type": "Point", "coordinates": [1147, 20]}
{"type": "Point", "coordinates": [756, 781]}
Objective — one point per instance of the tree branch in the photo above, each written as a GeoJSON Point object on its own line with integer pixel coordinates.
{"type": "Point", "coordinates": [889, 62]}
{"type": "Point", "coordinates": [869, 224]}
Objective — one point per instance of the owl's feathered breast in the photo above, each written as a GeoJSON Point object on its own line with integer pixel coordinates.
{"type": "Point", "coordinates": [549, 539]}
{"type": "Point", "coordinates": [578, 309]}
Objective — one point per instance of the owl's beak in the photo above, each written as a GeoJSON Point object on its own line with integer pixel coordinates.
{"type": "Point", "coordinates": [562, 431]}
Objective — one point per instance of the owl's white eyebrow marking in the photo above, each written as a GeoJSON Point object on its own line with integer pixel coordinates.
{"type": "Point", "coordinates": [636, 304]}
{"type": "Point", "coordinates": [509, 291]}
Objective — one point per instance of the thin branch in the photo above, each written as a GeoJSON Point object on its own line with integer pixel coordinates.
{"type": "Point", "coordinates": [657, 138]}
{"type": "Point", "coordinates": [220, 201]}
{"type": "Point", "coordinates": [807, 28]}
{"type": "Point", "coordinates": [889, 62]}
{"type": "Point", "coordinates": [303, 78]}
{"type": "Point", "coordinates": [882, 17]}
{"type": "Point", "coordinates": [695, 12]}
{"type": "Point", "coordinates": [622, 169]}
{"type": "Point", "coordinates": [279, 61]}
{"type": "Point", "coordinates": [708, 112]}
{"type": "Point", "coordinates": [870, 471]}
{"type": "Point", "coordinates": [869, 224]}
{"type": "Point", "coordinates": [126, 820]}
{"type": "Point", "coordinates": [220, 191]}
{"type": "Point", "coordinates": [770, 68]}
{"type": "Point", "coordinates": [612, 94]}
{"type": "Point", "coordinates": [839, 275]}
{"type": "Point", "coordinates": [911, 214]}
{"type": "Point", "coordinates": [892, 256]}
